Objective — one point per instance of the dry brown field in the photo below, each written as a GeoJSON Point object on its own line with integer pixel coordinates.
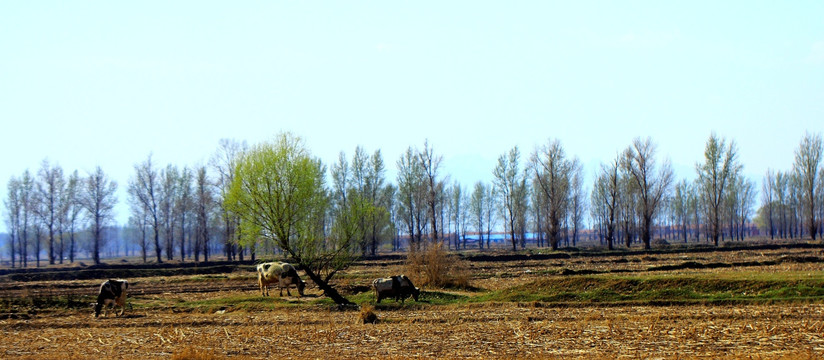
{"type": "Point", "coordinates": [221, 315]}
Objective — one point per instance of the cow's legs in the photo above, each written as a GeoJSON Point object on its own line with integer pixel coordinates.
{"type": "Point", "coordinates": [122, 304]}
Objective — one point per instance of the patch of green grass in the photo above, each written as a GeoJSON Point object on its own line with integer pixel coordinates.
{"type": "Point", "coordinates": [662, 288]}
{"type": "Point", "coordinates": [426, 298]}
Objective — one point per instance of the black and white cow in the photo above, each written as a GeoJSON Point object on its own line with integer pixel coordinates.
{"type": "Point", "coordinates": [112, 293]}
{"type": "Point", "coordinates": [282, 273]}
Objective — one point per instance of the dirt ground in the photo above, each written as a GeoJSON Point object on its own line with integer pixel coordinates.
{"type": "Point", "coordinates": [479, 331]}
{"type": "Point", "coordinates": [156, 328]}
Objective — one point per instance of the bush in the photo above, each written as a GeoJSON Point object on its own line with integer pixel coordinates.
{"type": "Point", "coordinates": [434, 266]}
{"type": "Point", "coordinates": [367, 315]}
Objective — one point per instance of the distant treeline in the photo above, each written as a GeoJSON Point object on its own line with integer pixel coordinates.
{"type": "Point", "coordinates": [180, 213]}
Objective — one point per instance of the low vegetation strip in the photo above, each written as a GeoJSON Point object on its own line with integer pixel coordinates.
{"type": "Point", "coordinates": [663, 289]}
{"type": "Point", "coordinates": [121, 272]}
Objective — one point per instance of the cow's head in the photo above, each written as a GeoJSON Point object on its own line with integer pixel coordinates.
{"type": "Point", "coordinates": [416, 292]}
{"type": "Point", "coordinates": [97, 308]}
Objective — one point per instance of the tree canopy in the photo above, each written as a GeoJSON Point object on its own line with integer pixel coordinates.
{"type": "Point", "coordinates": [280, 194]}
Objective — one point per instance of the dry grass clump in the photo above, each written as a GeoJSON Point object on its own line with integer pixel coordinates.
{"type": "Point", "coordinates": [434, 266]}
{"type": "Point", "coordinates": [367, 314]}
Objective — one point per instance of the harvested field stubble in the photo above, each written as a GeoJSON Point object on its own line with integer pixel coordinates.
{"type": "Point", "coordinates": [760, 303]}
{"type": "Point", "coordinates": [497, 330]}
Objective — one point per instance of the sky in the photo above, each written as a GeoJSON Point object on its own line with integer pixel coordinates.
{"type": "Point", "coordinates": [103, 83]}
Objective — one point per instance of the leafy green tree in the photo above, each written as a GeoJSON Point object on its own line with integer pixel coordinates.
{"type": "Point", "coordinates": [279, 191]}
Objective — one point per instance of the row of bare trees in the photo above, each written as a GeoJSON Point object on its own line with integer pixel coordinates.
{"type": "Point", "coordinates": [792, 202]}
{"type": "Point", "coordinates": [630, 196]}
{"type": "Point", "coordinates": [50, 209]}
{"type": "Point", "coordinates": [173, 210]}
{"type": "Point", "coordinates": [181, 212]}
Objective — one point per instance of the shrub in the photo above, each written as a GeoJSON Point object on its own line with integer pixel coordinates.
{"type": "Point", "coordinates": [434, 266]}
{"type": "Point", "coordinates": [367, 315]}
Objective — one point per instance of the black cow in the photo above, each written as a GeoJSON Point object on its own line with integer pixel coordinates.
{"type": "Point", "coordinates": [398, 287]}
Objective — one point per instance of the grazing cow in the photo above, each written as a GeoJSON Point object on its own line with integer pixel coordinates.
{"type": "Point", "coordinates": [282, 273]}
{"type": "Point", "coordinates": [112, 293]}
{"type": "Point", "coordinates": [398, 287]}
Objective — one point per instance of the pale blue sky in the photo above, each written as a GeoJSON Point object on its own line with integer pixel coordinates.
{"type": "Point", "coordinates": [87, 83]}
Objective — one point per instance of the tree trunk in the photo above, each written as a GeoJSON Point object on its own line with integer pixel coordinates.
{"type": "Point", "coordinates": [157, 245]}
{"type": "Point", "coordinates": [328, 290]}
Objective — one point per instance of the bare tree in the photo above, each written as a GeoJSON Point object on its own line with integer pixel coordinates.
{"type": "Point", "coordinates": [510, 183]}
{"type": "Point", "coordinates": [366, 177]}
{"type": "Point", "coordinates": [552, 171]}
{"type": "Point", "coordinates": [204, 203]}
{"type": "Point", "coordinates": [139, 224]}
{"type": "Point", "coordinates": [72, 211]}
{"type": "Point", "coordinates": [14, 209]}
{"type": "Point", "coordinates": [37, 229]}
{"type": "Point", "coordinates": [651, 185]}
{"type": "Point", "coordinates": [719, 168]}
{"type": "Point", "coordinates": [767, 200]}
{"type": "Point", "coordinates": [168, 194]}
{"type": "Point", "coordinates": [606, 196]}
{"type": "Point", "coordinates": [490, 211]}
{"type": "Point", "coordinates": [806, 166]}
{"type": "Point", "coordinates": [577, 200]}
{"type": "Point", "coordinates": [781, 185]}
{"type": "Point", "coordinates": [183, 208]}
{"type": "Point", "coordinates": [27, 198]}
{"type": "Point", "coordinates": [224, 162]}
{"type": "Point", "coordinates": [412, 196]}
{"type": "Point", "coordinates": [98, 199]}
{"type": "Point", "coordinates": [457, 217]}
{"type": "Point", "coordinates": [144, 188]}
{"type": "Point", "coordinates": [476, 206]}
{"type": "Point", "coordinates": [681, 207]}
{"type": "Point", "coordinates": [49, 188]}
{"type": "Point", "coordinates": [746, 198]}
{"type": "Point", "coordinates": [378, 225]}
{"type": "Point", "coordinates": [431, 165]}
